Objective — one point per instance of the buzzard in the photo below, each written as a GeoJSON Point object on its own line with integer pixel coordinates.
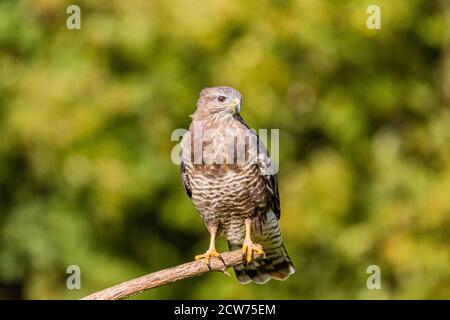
{"type": "Point", "coordinates": [227, 172]}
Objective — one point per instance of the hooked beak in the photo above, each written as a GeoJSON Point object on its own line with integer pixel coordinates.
{"type": "Point", "coordinates": [235, 106]}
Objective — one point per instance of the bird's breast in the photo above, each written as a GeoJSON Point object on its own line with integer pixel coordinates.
{"type": "Point", "coordinates": [222, 192]}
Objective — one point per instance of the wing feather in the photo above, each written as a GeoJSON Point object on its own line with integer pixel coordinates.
{"type": "Point", "coordinates": [185, 179]}
{"type": "Point", "coordinates": [268, 172]}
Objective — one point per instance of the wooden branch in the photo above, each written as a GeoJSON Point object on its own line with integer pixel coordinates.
{"type": "Point", "coordinates": [166, 276]}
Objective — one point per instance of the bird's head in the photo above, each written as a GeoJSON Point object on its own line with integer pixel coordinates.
{"type": "Point", "coordinates": [220, 100]}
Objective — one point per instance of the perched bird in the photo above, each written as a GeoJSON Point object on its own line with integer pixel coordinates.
{"type": "Point", "coordinates": [228, 174]}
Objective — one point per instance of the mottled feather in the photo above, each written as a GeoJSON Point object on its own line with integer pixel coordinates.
{"type": "Point", "coordinates": [226, 193]}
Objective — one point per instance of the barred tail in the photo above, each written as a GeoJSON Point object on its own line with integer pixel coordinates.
{"type": "Point", "coordinates": [277, 265]}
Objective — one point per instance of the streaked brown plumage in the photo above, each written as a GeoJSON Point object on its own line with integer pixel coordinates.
{"type": "Point", "coordinates": [236, 197]}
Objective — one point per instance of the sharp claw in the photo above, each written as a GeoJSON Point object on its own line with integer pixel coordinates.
{"type": "Point", "coordinates": [258, 249]}
{"type": "Point", "coordinates": [207, 256]}
{"type": "Point", "coordinates": [223, 261]}
{"type": "Point", "coordinates": [248, 248]}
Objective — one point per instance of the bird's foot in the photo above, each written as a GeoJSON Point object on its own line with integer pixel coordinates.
{"type": "Point", "coordinates": [248, 247]}
{"type": "Point", "coordinates": [207, 255]}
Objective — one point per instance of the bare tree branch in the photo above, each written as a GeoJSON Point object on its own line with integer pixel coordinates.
{"type": "Point", "coordinates": [166, 276]}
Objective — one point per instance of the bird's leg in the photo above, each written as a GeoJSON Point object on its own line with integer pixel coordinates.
{"type": "Point", "coordinates": [211, 252]}
{"type": "Point", "coordinates": [248, 246]}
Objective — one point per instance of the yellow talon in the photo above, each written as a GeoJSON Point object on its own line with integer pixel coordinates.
{"type": "Point", "coordinates": [211, 252]}
{"type": "Point", "coordinates": [207, 255]}
{"type": "Point", "coordinates": [248, 246]}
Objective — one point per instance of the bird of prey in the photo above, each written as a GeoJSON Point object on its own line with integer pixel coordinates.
{"type": "Point", "coordinates": [234, 188]}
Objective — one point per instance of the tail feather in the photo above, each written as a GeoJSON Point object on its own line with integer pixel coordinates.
{"type": "Point", "coordinates": [241, 274]}
{"type": "Point", "coordinates": [277, 265]}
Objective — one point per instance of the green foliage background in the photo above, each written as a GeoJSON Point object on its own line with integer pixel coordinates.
{"type": "Point", "coordinates": [86, 116]}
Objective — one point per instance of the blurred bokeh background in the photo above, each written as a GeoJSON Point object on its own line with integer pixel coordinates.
{"type": "Point", "coordinates": [86, 115]}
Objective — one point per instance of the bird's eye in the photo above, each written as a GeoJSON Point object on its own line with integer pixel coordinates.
{"type": "Point", "coordinates": [221, 98]}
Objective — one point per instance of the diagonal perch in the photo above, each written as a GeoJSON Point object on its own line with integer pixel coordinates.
{"type": "Point", "coordinates": [166, 276]}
